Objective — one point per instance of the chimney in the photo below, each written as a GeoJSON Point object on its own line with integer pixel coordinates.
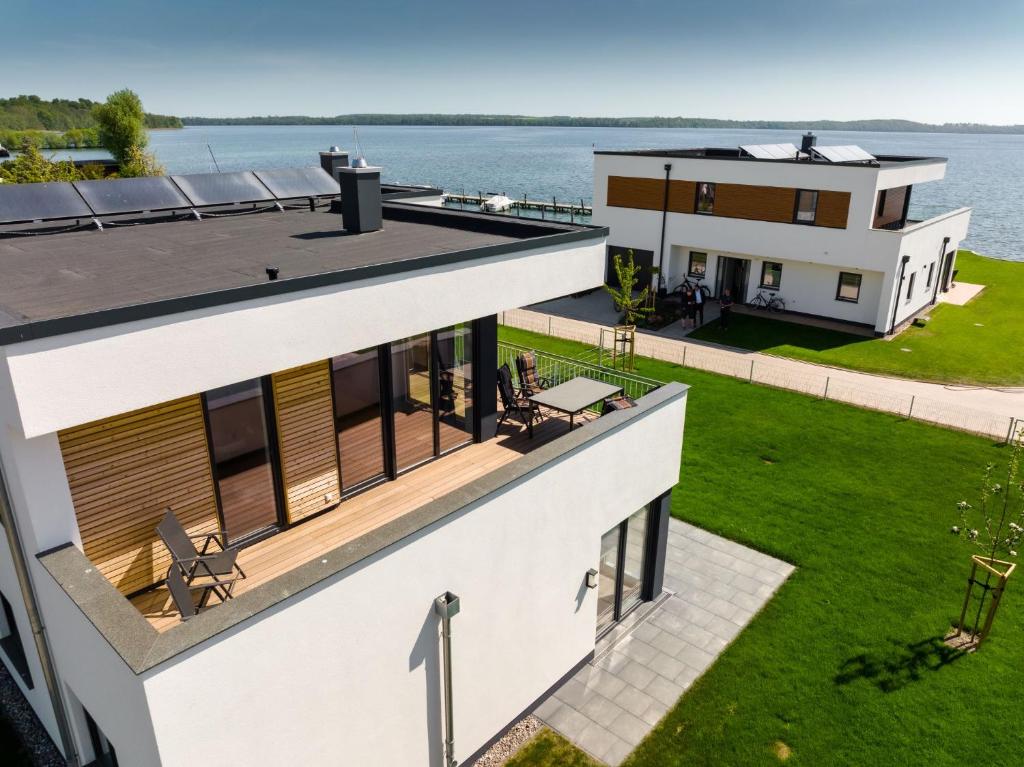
{"type": "Point", "coordinates": [333, 159]}
{"type": "Point", "coordinates": [808, 141]}
{"type": "Point", "coordinates": [360, 199]}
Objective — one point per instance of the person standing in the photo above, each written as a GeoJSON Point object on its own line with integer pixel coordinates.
{"type": "Point", "coordinates": [725, 309]}
{"type": "Point", "coordinates": [689, 309]}
{"type": "Point", "coordinates": [698, 298]}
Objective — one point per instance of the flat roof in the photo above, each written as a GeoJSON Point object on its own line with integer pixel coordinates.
{"type": "Point", "coordinates": [54, 283]}
{"type": "Point", "coordinates": [733, 153]}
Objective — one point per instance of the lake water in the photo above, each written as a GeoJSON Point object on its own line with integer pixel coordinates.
{"type": "Point", "coordinates": [985, 172]}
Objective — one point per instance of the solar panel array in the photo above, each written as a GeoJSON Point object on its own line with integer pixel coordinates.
{"type": "Point", "coordinates": [21, 203]}
{"type": "Point", "coordinates": [847, 153]}
{"type": "Point", "coordinates": [773, 151]}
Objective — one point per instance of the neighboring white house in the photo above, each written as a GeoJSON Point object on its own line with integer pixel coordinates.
{"type": "Point", "coordinates": [825, 228]}
{"type": "Point", "coordinates": [323, 384]}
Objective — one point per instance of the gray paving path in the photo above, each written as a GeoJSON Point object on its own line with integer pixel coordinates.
{"type": "Point", "coordinates": [713, 589]}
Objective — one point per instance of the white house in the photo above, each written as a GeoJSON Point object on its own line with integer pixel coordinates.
{"type": "Point", "coordinates": [825, 228]}
{"type": "Point", "coordinates": [317, 376]}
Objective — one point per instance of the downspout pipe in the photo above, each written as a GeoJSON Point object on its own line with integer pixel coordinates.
{"type": "Point", "coordinates": [899, 290]}
{"type": "Point", "coordinates": [664, 220]}
{"type": "Point", "coordinates": [447, 607]}
{"type": "Point", "coordinates": [942, 268]}
{"type": "Point", "coordinates": [28, 594]}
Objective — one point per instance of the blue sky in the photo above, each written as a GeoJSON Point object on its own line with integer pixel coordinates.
{"type": "Point", "coordinates": [936, 61]}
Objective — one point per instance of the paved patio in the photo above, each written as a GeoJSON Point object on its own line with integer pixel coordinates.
{"type": "Point", "coordinates": [713, 588]}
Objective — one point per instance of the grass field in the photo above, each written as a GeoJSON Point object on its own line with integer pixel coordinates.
{"type": "Point", "coordinates": [982, 342]}
{"type": "Point", "coordinates": [845, 666]}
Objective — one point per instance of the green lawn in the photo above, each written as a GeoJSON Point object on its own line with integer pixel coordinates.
{"type": "Point", "coordinates": [982, 342]}
{"type": "Point", "coordinates": [548, 749]}
{"type": "Point", "coordinates": [844, 666]}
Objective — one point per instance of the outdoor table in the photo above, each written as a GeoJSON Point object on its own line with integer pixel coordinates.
{"type": "Point", "coordinates": [575, 396]}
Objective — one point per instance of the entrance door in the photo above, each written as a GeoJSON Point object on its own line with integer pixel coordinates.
{"type": "Point", "coordinates": [358, 417]}
{"type": "Point", "coordinates": [947, 265]}
{"type": "Point", "coordinates": [732, 274]}
{"type": "Point", "coordinates": [622, 569]}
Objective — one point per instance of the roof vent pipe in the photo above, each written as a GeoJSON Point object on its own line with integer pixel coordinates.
{"type": "Point", "coordinates": [361, 208]}
{"type": "Point", "coordinates": [272, 272]}
{"type": "Point", "coordinates": [807, 141]}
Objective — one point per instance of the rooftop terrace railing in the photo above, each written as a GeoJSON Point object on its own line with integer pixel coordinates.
{"type": "Point", "coordinates": [559, 369]}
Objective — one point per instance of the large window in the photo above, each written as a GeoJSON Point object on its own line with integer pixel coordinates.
{"type": "Point", "coordinates": [411, 385]}
{"type": "Point", "coordinates": [806, 206]}
{"type": "Point", "coordinates": [849, 287]}
{"type": "Point", "coordinates": [358, 417]}
{"type": "Point", "coordinates": [453, 350]}
{"type": "Point", "coordinates": [240, 444]}
{"type": "Point", "coordinates": [705, 197]}
{"type": "Point", "coordinates": [698, 264]}
{"type": "Point", "coordinates": [771, 275]}
{"type": "Point", "coordinates": [10, 642]}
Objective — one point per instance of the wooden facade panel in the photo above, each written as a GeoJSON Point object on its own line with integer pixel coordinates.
{"type": "Point", "coordinates": [306, 439]}
{"type": "Point", "coordinates": [833, 209]}
{"type": "Point", "coordinates": [124, 472]}
{"type": "Point", "coordinates": [891, 202]}
{"type": "Point", "coordinates": [757, 203]}
{"type": "Point", "coordinates": [775, 204]}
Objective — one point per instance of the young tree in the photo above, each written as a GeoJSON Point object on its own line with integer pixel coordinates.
{"type": "Point", "coordinates": [122, 124]}
{"type": "Point", "coordinates": [632, 307]}
{"type": "Point", "coordinates": [140, 163]}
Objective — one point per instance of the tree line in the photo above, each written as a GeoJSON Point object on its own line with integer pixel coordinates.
{"type": "Point", "coordinates": [556, 121]}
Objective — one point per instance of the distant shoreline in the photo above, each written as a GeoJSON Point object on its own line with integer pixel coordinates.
{"type": "Point", "coordinates": [505, 121]}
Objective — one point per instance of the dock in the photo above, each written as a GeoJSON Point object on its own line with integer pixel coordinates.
{"type": "Point", "coordinates": [554, 205]}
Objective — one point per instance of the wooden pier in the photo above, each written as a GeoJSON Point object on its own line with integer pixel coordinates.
{"type": "Point", "coordinates": [554, 205]}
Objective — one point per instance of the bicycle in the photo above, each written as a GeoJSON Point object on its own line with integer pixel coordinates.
{"type": "Point", "coordinates": [695, 285]}
{"type": "Point", "coordinates": [770, 304]}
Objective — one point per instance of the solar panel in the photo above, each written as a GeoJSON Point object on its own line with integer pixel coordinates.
{"type": "Point", "coordinates": [222, 188]}
{"type": "Point", "coordinates": [772, 151]}
{"type": "Point", "coordinates": [132, 195]}
{"type": "Point", "coordinates": [847, 153]}
{"type": "Point", "coordinates": [288, 183]}
{"type": "Point", "coordinates": [37, 202]}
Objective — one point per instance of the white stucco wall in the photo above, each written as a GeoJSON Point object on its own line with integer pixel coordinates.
{"type": "Point", "coordinates": [79, 377]}
{"type": "Point", "coordinates": [349, 672]}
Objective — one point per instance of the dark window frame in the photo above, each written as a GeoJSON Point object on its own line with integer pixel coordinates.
{"type": "Point", "coordinates": [931, 275]}
{"type": "Point", "coordinates": [796, 207]}
{"type": "Point", "coordinates": [910, 287]}
{"type": "Point", "coordinates": [881, 202]}
{"type": "Point", "coordinates": [12, 645]}
{"type": "Point", "coordinates": [689, 265]}
{"type": "Point", "coordinates": [839, 287]}
{"type": "Point", "coordinates": [764, 266]}
{"type": "Point", "coordinates": [712, 188]}
{"type": "Point", "coordinates": [620, 565]}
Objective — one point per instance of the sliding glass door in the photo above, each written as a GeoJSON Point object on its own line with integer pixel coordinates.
{"type": "Point", "coordinates": [241, 448]}
{"type": "Point", "coordinates": [358, 417]}
{"type": "Point", "coordinates": [622, 569]}
{"type": "Point", "coordinates": [412, 394]}
{"type": "Point", "coordinates": [453, 349]}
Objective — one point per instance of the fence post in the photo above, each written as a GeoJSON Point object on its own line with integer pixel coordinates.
{"type": "Point", "coordinates": [1009, 433]}
{"type": "Point", "coordinates": [549, 324]}
{"type": "Point", "coordinates": [910, 413]}
{"type": "Point", "coordinates": [827, 379]}
{"type": "Point", "coordinates": [684, 356]}
{"type": "Point", "coordinates": [751, 379]}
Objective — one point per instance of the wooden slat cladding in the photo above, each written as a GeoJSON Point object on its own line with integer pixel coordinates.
{"type": "Point", "coordinates": [124, 472]}
{"type": "Point", "coordinates": [756, 203]}
{"type": "Point", "coordinates": [833, 209]}
{"type": "Point", "coordinates": [892, 206]}
{"type": "Point", "coordinates": [649, 194]}
{"type": "Point", "coordinates": [747, 201]}
{"type": "Point", "coordinates": [306, 438]}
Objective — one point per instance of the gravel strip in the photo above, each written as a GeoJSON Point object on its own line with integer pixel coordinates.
{"type": "Point", "coordinates": [510, 742]}
{"type": "Point", "coordinates": [23, 720]}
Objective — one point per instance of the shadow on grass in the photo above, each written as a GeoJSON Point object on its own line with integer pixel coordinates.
{"type": "Point", "coordinates": [760, 333]}
{"type": "Point", "coordinates": [906, 663]}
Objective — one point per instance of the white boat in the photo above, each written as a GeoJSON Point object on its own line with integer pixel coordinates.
{"type": "Point", "coordinates": [499, 203]}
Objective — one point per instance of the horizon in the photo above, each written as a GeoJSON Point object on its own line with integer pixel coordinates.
{"type": "Point", "coordinates": [926, 62]}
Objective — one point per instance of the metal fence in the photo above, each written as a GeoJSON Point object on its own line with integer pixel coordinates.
{"type": "Point", "coordinates": [559, 369]}
{"type": "Point", "coordinates": [758, 371]}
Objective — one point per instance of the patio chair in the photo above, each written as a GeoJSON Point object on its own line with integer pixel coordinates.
{"type": "Point", "coordinates": [619, 402]}
{"type": "Point", "coordinates": [181, 592]}
{"type": "Point", "coordinates": [199, 563]}
{"type": "Point", "coordinates": [526, 366]}
{"type": "Point", "coordinates": [515, 403]}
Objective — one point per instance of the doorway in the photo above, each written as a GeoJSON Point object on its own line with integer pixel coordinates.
{"type": "Point", "coordinates": [732, 273]}
{"type": "Point", "coordinates": [622, 569]}
{"type": "Point", "coordinates": [947, 266]}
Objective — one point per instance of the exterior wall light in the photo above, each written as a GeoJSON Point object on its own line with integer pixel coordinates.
{"type": "Point", "coordinates": [591, 578]}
